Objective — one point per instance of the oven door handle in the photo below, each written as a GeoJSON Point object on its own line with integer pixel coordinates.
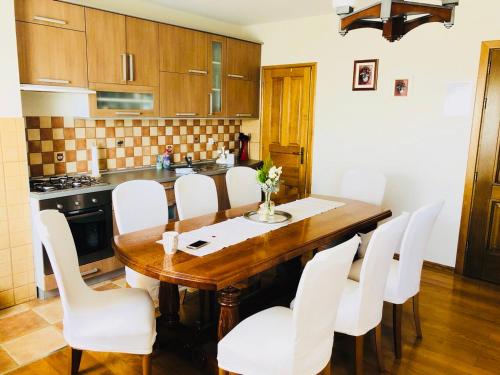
{"type": "Point", "coordinates": [89, 215]}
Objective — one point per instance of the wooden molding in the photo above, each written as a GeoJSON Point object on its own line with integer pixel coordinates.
{"type": "Point", "coordinates": [486, 47]}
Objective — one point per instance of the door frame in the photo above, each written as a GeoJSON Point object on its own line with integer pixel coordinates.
{"type": "Point", "coordinates": [468, 199]}
{"type": "Point", "coordinates": [310, 132]}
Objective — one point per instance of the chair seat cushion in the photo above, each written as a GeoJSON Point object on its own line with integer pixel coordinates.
{"type": "Point", "coordinates": [259, 345]}
{"type": "Point", "coordinates": [118, 320]}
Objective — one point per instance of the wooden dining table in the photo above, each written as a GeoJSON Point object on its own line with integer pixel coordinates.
{"type": "Point", "coordinates": [224, 270]}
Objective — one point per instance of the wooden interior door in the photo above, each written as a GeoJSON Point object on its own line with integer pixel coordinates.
{"type": "Point", "coordinates": [142, 47]}
{"type": "Point", "coordinates": [483, 253]}
{"type": "Point", "coordinates": [287, 112]}
{"type": "Point", "coordinates": [106, 47]}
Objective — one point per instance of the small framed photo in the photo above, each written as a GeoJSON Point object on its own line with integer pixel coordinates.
{"type": "Point", "coordinates": [401, 87]}
{"type": "Point", "coordinates": [365, 75]}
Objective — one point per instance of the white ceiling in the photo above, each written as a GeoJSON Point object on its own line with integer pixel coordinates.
{"type": "Point", "coordinates": [246, 12]}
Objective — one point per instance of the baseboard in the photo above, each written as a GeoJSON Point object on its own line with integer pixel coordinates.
{"type": "Point", "coordinates": [433, 266]}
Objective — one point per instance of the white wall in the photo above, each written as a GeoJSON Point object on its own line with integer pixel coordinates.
{"type": "Point", "coordinates": [10, 99]}
{"type": "Point", "coordinates": [422, 152]}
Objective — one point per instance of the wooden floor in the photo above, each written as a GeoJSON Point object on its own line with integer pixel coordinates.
{"type": "Point", "coordinates": [460, 322]}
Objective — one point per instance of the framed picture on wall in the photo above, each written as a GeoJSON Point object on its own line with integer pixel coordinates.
{"type": "Point", "coordinates": [401, 87]}
{"type": "Point", "coordinates": [365, 75]}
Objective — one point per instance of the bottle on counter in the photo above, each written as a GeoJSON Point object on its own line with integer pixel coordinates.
{"type": "Point", "coordinates": [167, 157]}
{"type": "Point", "coordinates": [159, 162]}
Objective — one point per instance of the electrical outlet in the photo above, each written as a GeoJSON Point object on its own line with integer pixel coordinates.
{"type": "Point", "coordinates": [60, 157]}
{"type": "Point", "coordinates": [120, 142]}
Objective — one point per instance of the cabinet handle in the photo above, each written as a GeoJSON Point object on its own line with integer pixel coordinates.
{"type": "Point", "coordinates": [131, 68]}
{"type": "Point", "coordinates": [50, 20]}
{"type": "Point", "coordinates": [124, 67]}
{"type": "Point", "coordinates": [211, 101]}
{"type": "Point", "coordinates": [186, 114]}
{"type": "Point", "coordinates": [236, 76]}
{"type": "Point", "coordinates": [195, 71]}
{"type": "Point", "coordinates": [243, 115]}
{"type": "Point", "coordinates": [90, 272]}
{"type": "Point", "coordinates": [50, 80]}
{"type": "Point", "coordinates": [127, 113]}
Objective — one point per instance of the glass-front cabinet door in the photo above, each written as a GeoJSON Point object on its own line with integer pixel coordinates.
{"type": "Point", "coordinates": [123, 100]}
{"type": "Point", "coordinates": [217, 82]}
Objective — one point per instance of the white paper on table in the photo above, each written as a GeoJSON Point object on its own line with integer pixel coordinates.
{"type": "Point", "coordinates": [239, 229]}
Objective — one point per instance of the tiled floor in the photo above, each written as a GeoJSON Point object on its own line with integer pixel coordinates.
{"type": "Point", "coordinates": [24, 327]}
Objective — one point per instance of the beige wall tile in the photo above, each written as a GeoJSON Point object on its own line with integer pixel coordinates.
{"type": "Point", "coordinates": [4, 236]}
{"type": "Point", "coordinates": [6, 282]}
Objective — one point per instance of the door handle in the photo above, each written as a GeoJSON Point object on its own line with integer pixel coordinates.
{"type": "Point", "coordinates": [211, 104]}
{"type": "Point", "coordinates": [131, 68]}
{"type": "Point", "coordinates": [124, 67]}
{"type": "Point", "coordinates": [49, 20]}
{"type": "Point", "coordinates": [196, 71]}
{"type": "Point", "coordinates": [51, 80]}
{"type": "Point", "coordinates": [236, 76]}
{"type": "Point", "coordinates": [301, 154]}
{"type": "Point", "coordinates": [90, 272]}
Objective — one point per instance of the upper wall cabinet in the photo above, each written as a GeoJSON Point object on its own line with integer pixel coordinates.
{"type": "Point", "coordinates": [51, 56]}
{"type": "Point", "coordinates": [243, 60]}
{"type": "Point", "coordinates": [52, 13]}
{"type": "Point", "coordinates": [183, 50]}
{"type": "Point", "coordinates": [106, 47]}
{"type": "Point", "coordinates": [216, 75]}
{"type": "Point", "coordinates": [122, 50]}
{"type": "Point", "coordinates": [142, 50]}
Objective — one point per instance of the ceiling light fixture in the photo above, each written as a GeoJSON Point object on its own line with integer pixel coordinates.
{"type": "Point", "coordinates": [394, 17]}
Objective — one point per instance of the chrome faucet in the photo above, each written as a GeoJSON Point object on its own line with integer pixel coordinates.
{"type": "Point", "coordinates": [189, 161]}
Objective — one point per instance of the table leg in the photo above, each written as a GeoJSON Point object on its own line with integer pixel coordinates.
{"type": "Point", "coordinates": [229, 301]}
{"type": "Point", "coordinates": [169, 303]}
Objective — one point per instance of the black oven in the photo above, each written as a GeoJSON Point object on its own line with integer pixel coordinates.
{"type": "Point", "coordinates": [90, 220]}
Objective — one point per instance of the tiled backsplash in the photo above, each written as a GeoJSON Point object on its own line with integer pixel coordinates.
{"type": "Point", "coordinates": [58, 145]}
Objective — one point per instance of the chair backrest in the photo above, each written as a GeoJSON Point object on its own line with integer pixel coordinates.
{"type": "Point", "coordinates": [242, 186]}
{"type": "Point", "coordinates": [195, 195]}
{"type": "Point", "coordinates": [55, 234]}
{"type": "Point", "coordinates": [413, 245]}
{"type": "Point", "coordinates": [316, 303]}
{"type": "Point", "coordinates": [139, 204]}
{"type": "Point", "coordinates": [375, 269]}
{"type": "Point", "coordinates": [363, 185]}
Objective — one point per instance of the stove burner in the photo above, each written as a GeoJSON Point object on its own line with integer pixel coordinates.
{"type": "Point", "coordinates": [61, 183]}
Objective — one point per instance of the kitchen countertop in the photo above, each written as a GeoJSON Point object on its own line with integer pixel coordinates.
{"type": "Point", "coordinates": [110, 180]}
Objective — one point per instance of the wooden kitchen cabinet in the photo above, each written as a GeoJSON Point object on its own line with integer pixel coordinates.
{"type": "Point", "coordinates": [183, 95]}
{"type": "Point", "coordinates": [106, 47]}
{"type": "Point", "coordinates": [216, 75]}
{"type": "Point", "coordinates": [142, 50]}
{"type": "Point", "coordinates": [222, 195]}
{"type": "Point", "coordinates": [52, 13]}
{"type": "Point", "coordinates": [242, 98]}
{"type": "Point", "coordinates": [51, 56]}
{"type": "Point", "coordinates": [183, 50]}
{"type": "Point", "coordinates": [243, 60]}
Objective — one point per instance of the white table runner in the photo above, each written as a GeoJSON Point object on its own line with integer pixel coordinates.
{"type": "Point", "coordinates": [233, 231]}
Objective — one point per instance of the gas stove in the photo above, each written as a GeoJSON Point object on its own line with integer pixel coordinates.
{"type": "Point", "coordinates": [48, 184]}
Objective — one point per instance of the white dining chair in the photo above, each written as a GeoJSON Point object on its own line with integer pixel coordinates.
{"type": "Point", "coordinates": [140, 204]}
{"type": "Point", "coordinates": [360, 309]}
{"type": "Point", "coordinates": [195, 195]}
{"type": "Point", "coordinates": [363, 185]}
{"type": "Point", "coordinates": [403, 282]}
{"type": "Point", "coordinates": [283, 341]}
{"type": "Point", "coordinates": [242, 186]}
{"type": "Point", "coordinates": [117, 320]}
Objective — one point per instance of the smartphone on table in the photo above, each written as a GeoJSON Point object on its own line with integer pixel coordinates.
{"type": "Point", "coordinates": [196, 245]}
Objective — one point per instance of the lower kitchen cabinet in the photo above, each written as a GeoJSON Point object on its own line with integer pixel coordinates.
{"type": "Point", "coordinates": [242, 98]}
{"type": "Point", "coordinates": [183, 95]}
